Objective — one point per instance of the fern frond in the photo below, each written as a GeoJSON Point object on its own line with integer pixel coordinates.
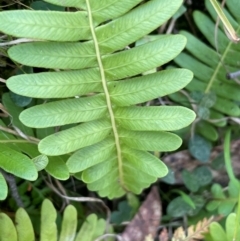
{"type": "Point", "coordinates": [211, 65]}
{"type": "Point", "coordinates": [23, 230]}
{"type": "Point", "coordinates": [110, 137]}
{"type": "Point", "coordinates": [217, 232]}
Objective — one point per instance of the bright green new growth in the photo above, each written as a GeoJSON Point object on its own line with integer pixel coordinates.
{"type": "Point", "coordinates": [217, 233]}
{"type": "Point", "coordinates": [22, 230]}
{"type": "Point", "coordinates": [111, 138]}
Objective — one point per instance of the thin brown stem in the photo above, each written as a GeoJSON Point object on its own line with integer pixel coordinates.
{"type": "Point", "coordinates": [28, 138]}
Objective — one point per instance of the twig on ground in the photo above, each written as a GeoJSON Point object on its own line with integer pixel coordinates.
{"type": "Point", "coordinates": [3, 80]}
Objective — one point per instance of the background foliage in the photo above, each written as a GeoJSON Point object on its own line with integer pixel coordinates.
{"type": "Point", "coordinates": [103, 85]}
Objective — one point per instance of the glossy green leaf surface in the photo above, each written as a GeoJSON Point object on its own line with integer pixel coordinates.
{"type": "Point", "coordinates": [17, 163]}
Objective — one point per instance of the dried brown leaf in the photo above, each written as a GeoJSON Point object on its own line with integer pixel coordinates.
{"type": "Point", "coordinates": [147, 220]}
{"type": "Point", "coordinates": [179, 235]}
{"type": "Point", "coordinates": [194, 232]}
{"type": "Point", "coordinates": [163, 236]}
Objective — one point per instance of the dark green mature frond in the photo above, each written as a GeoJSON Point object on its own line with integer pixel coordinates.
{"type": "Point", "coordinates": [111, 138]}
{"type": "Point", "coordinates": [210, 66]}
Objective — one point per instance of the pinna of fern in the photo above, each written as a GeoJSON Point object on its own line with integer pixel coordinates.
{"type": "Point", "coordinates": [110, 137]}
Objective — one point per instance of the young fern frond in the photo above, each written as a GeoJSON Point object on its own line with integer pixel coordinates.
{"type": "Point", "coordinates": [217, 232]}
{"type": "Point", "coordinates": [111, 138]}
{"type": "Point", "coordinates": [211, 66]}
{"type": "Point", "coordinates": [91, 229]}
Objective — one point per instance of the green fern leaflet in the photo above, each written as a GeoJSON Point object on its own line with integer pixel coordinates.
{"type": "Point", "coordinates": [101, 83]}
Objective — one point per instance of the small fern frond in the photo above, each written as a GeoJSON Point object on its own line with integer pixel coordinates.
{"type": "Point", "coordinates": [210, 66]}
{"type": "Point", "coordinates": [217, 232]}
{"type": "Point", "coordinates": [23, 230]}
{"type": "Point", "coordinates": [110, 137]}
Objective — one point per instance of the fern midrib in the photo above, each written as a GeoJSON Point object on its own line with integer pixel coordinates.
{"type": "Point", "coordinates": [107, 95]}
{"type": "Point", "coordinates": [209, 86]}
